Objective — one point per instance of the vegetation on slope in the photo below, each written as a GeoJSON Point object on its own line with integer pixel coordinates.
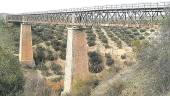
{"type": "Point", "coordinates": [11, 80]}
{"type": "Point", "coordinates": [114, 38]}
{"type": "Point", "coordinates": [9, 36]}
{"type": "Point", "coordinates": [151, 77]}
{"type": "Point", "coordinates": [95, 62]}
{"type": "Point", "coordinates": [83, 88]}
{"type": "Point", "coordinates": [49, 43]}
{"type": "Point", "coordinates": [102, 38]}
{"type": "Point", "coordinates": [109, 60]}
{"type": "Point", "coordinates": [54, 37]}
{"type": "Point", "coordinates": [91, 38]}
{"type": "Point", "coordinates": [129, 35]}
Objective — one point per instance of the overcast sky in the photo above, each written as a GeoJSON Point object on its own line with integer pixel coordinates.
{"type": "Point", "coordinates": [20, 6]}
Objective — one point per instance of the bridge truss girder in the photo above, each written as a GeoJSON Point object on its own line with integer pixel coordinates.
{"type": "Point", "coordinates": [96, 17]}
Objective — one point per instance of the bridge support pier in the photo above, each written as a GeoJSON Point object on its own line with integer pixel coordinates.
{"type": "Point", "coordinates": [80, 56]}
{"type": "Point", "coordinates": [68, 65]}
{"type": "Point", "coordinates": [25, 50]}
{"type": "Point", "coordinates": [76, 67]}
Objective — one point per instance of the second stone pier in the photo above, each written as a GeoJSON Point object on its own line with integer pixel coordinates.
{"type": "Point", "coordinates": [25, 50]}
{"type": "Point", "coordinates": [76, 67]}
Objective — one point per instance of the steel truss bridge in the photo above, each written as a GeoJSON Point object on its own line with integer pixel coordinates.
{"type": "Point", "coordinates": [143, 13]}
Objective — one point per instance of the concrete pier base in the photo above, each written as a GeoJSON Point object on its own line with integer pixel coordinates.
{"type": "Point", "coordinates": [26, 51]}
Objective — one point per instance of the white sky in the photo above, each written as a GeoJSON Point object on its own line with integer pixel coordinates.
{"type": "Point", "coordinates": [20, 6]}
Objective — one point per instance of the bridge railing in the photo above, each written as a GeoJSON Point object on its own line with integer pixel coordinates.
{"type": "Point", "coordinates": [131, 6]}
{"type": "Point", "coordinates": [106, 7]}
{"type": "Point", "coordinates": [122, 6]}
{"type": "Point", "coordinates": [45, 15]}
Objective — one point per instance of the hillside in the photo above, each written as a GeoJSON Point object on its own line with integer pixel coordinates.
{"type": "Point", "coordinates": [111, 51]}
{"type": "Point", "coordinates": [12, 80]}
{"type": "Point", "coordinates": [150, 77]}
{"type": "Point", "coordinates": [122, 61]}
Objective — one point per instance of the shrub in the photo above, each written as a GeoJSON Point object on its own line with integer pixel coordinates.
{"type": "Point", "coordinates": [59, 36]}
{"type": "Point", "coordinates": [42, 67]}
{"type": "Point", "coordinates": [102, 37]}
{"type": "Point", "coordinates": [91, 43]}
{"type": "Point", "coordinates": [119, 44]}
{"type": "Point", "coordinates": [37, 29]}
{"type": "Point", "coordinates": [109, 60]}
{"type": "Point", "coordinates": [134, 30]}
{"type": "Point", "coordinates": [57, 45]}
{"type": "Point", "coordinates": [106, 45]}
{"type": "Point", "coordinates": [146, 34]}
{"type": "Point", "coordinates": [48, 43]}
{"type": "Point", "coordinates": [131, 36]}
{"type": "Point", "coordinates": [152, 30]}
{"type": "Point", "coordinates": [123, 56]}
{"type": "Point", "coordinates": [138, 44]}
{"type": "Point", "coordinates": [110, 34]}
{"type": "Point", "coordinates": [62, 54]}
{"type": "Point", "coordinates": [104, 40]}
{"type": "Point", "coordinates": [80, 28]}
{"type": "Point", "coordinates": [40, 54]}
{"type": "Point", "coordinates": [115, 39]}
{"type": "Point", "coordinates": [57, 79]}
{"type": "Point", "coordinates": [46, 73]}
{"type": "Point", "coordinates": [36, 39]}
{"type": "Point", "coordinates": [142, 30]}
{"type": "Point", "coordinates": [95, 62]}
{"type": "Point", "coordinates": [136, 33]}
{"type": "Point", "coordinates": [128, 32]}
{"type": "Point", "coordinates": [47, 36]}
{"type": "Point", "coordinates": [83, 88]}
{"type": "Point", "coordinates": [51, 55]}
{"type": "Point", "coordinates": [141, 37]}
{"type": "Point", "coordinates": [91, 38]}
{"type": "Point", "coordinates": [60, 28]}
{"type": "Point", "coordinates": [56, 68]}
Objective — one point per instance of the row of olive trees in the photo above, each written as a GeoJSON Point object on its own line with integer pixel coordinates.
{"type": "Point", "coordinates": [91, 38]}
{"type": "Point", "coordinates": [102, 38]}
{"type": "Point", "coordinates": [52, 35]}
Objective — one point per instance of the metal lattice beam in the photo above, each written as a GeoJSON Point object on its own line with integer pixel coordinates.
{"type": "Point", "coordinates": [145, 13]}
